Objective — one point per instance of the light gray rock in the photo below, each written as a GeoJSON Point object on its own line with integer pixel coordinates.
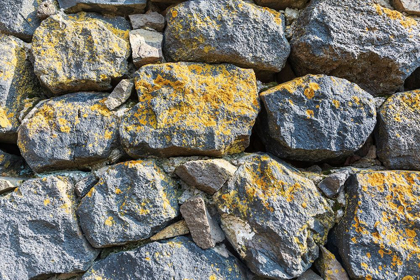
{"type": "Point", "coordinates": [47, 8]}
{"type": "Point", "coordinates": [408, 6]}
{"type": "Point", "coordinates": [146, 47]}
{"type": "Point", "coordinates": [149, 20]}
{"type": "Point", "coordinates": [116, 7]}
{"type": "Point", "coordinates": [9, 183]}
{"type": "Point", "coordinates": [333, 184]}
{"type": "Point", "coordinates": [282, 4]}
{"type": "Point", "coordinates": [119, 95]}
{"type": "Point", "coordinates": [84, 185]}
{"type": "Point", "coordinates": [13, 165]}
{"type": "Point", "coordinates": [176, 229]}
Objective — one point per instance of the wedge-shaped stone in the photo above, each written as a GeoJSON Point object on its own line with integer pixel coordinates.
{"type": "Point", "coordinates": [116, 7]}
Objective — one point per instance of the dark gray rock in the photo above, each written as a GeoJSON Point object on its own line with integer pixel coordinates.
{"type": "Point", "coordinates": [282, 4]}
{"type": "Point", "coordinates": [191, 109]}
{"type": "Point", "coordinates": [408, 6]}
{"type": "Point", "coordinates": [316, 117]}
{"type": "Point", "coordinates": [116, 7]}
{"type": "Point", "coordinates": [327, 39]}
{"type": "Point", "coordinates": [132, 201]}
{"type": "Point", "coordinates": [149, 20]}
{"type": "Point", "coordinates": [81, 52]}
{"type": "Point", "coordinates": [333, 184]}
{"type": "Point", "coordinates": [39, 233]}
{"type": "Point", "coordinates": [177, 259]}
{"type": "Point", "coordinates": [232, 31]}
{"type": "Point", "coordinates": [378, 237]}
{"type": "Point", "coordinates": [398, 138]}
{"type": "Point", "coordinates": [329, 267]}
{"type": "Point", "coordinates": [309, 275]}
{"type": "Point", "coordinates": [13, 165]}
{"type": "Point", "coordinates": [273, 217]}
{"type": "Point", "coordinates": [84, 185]}
{"type": "Point", "coordinates": [69, 132]}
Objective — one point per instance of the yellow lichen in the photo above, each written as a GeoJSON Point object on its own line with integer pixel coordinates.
{"type": "Point", "coordinates": [395, 15]}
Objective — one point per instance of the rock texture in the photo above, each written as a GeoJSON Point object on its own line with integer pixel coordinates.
{"type": "Point", "coordinates": [232, 31]}
{"type": "Point", "coordinates": [39, 233]}
{"type": "Point", "coordinates": [408, 6]}
{"type": "Point", "coordinates": [176, 229]}
{"type": "Point", "coordinates": [282, 4]}
{"type": "Point", "coordinates": [378, 237]}
{"type": "Point", "coordinates": [177, 259]}
{"type": "Point", "coordinates": [80, 52]}
{"type": "Point", "coordinates": [120, 94]}
{"type": "Point", "coordinates": [316, 117]}
{"type": "Point", "coordinates": [329, 267]}
{"type": "Point", "coordinates": [273, 217]}
{"type": "Point", "coordinates": [12, 165]}
{"type": "Point", "coordinates": [191, 109]}
{"type": "Point", "coordinates": [119, 7]}
{"type": "Point", "coordinates": [132, 201]}
{"type": "Point", "coordinates": [152, 20]}
{"type": "Point", "coordinates": [147, 47]}
{"type": "Point", "coordinates": [327, 39]}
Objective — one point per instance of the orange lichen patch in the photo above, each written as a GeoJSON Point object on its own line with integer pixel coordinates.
{"type": "Point", "coordinates": [310, 114]}
{"type": "Point", "coordinates": [336, 103]}
{"type": "Point", "coordinates": [395, 15]}
{"type": "Point", "coordinates": [302, 83]}
{"type": "Point", "coordinates": [109, 221]}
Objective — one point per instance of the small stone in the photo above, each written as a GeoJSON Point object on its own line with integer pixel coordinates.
{"type": "Point", "coordinates": [46, 8]}
{"type": "Point", "coordinates": [309, 275]}
{"type": "Point", "coordinates": [150, 19]}
{"type": "Point", "coordinates": [13, 165]}
{"type": "Point", "coordinates": [83, 186]}
{"type": "Point", "coordinates": [8, 183]}
{"type": "Point", "coordinates": [205, 232]}
{"type": "Point", "coordinates": [173, 230]}
{"type": "Point", "coordinates": [115, 7]}
{"type": "Point", "coordinates": [333, 184]}
{"type": "Point", "coordinates": [282, 4]}
{"type": "Point", "coordinates": [314, 169]}
{"type": "Point", "coordinates": [146, 46]}
{"type": "Point", "coordinates": [120, 94]}
{"type": "Point", "coordinates": [206, 175]}
{"type": "Point", "coordinates": [407, 6]}
{"type": "Point", "coordinates": [329, 267]}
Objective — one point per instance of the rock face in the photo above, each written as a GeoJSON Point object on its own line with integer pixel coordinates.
{"type": "Point", "coordinates": [132, 201]}
{"type": "Point", "coordinates": [232, 31]}
{"type": "Point", "coordinates": [378, 237]}
{"type": "Point", "coordinates": [328, 40]}
{"type": "Point", "coordinates": [177, 259]}
{"type": "Point", "coordinates": [17, 83]}
{"type": "Point", "coordinates": [64, 57]}
{"type": "Point", "coordinates": [282, 4]}
{"type": "Point", "coordinates": [398, 133]}
{"type": "Point", "coordinates": [408, 6]}
{"type": "Point", "coordinates": [316, 117]}
{"type": "Point", "coordinates": [191, 109]}
{"type": "Point", "coordinates": [68, 132]}
{"type": "Point", "coordinates": [274, 218]}
{"type": "Point", "coordinates": [39, 233]}
{"type": "Point", "coordinates": [119, 7]}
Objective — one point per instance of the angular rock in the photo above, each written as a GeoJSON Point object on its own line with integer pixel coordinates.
{"type": "Point", "coordinates": [149, 20]}
{"type": "Point", "coordinates": [378, 237]}
{"type": "Point", "coordinates": [46, 8]}
{"type": "Point", "coordinates": [132, 201]}
{"type": "Point", "coordinates": [309, 275]}
{"type": "Point", "coordinates": [177, 259]}
{"type": "Point", "coordinates": [116, 7]}
{"type": "Point", "coordinates": [173, 230]}
{"type": "Point", "coordinates": [39, 233]}
{"type": "Point", "coordinates": [81, 52]}
{"type": "Point", "coordinates": [282, 4]}
{"type": "Point", "coordinates": [8, 183]}
{"type": "Point", "coordinates": [333, 184]}
{"type": "Point", "coordinates": [17, 83]}
{"type": "Point", "coordinates": [316, 117]}
{"type": "Point", "coordinates": [119, 95]}
{"type": "Point", "coordinates": [205, 231]}
{"type": "Point", "coordinates": [408, 6]}
{"type": "Point", "coordinates": [329, 267]}
{"type": "Point", "coordinates": [206, 175]}
{"type": "Point", "coordinates": [231, 31]}
{"type": "Point", "coordinates": [328, 40]}
{"type": "Point", "coordinates": [398, 131]}
{"type": "Point", "coordinates": [12, 165]}
{"type": "Point", "coordinates": [273, 217]}
{"type": "Point", "coordinates": [83, 186]}
{"type": "Point", "coordinates": [146, 46]}
{"type": "Point", "coordinates": [69, 132]}
{"type": "Point", "coordinates": [191, 109]}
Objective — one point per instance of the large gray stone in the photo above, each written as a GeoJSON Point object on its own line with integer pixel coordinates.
{"type": "Point", "coordinates": [282, 4]}
{"type": "Point", "coordinates": [132, 201]}
{"type": "Point", "coordinates": [273, 217]}
{"type": "Point", "coordinates": [118, 7]}
{"type": "Point", "coordinates": [329, 39]}
{"type": "Point", "coordinates": [177, 259]}
{"type": "Point", "coordinates": [39, 232]}
{"type": "Point", "coordinates": [316, 117]}
{"type": "Point", "coordinates": [408, 6]}
{"type": "Point", "coordinates": [232, 31]}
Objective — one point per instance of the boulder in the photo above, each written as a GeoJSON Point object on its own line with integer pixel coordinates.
{"type": "Point", "coordinates": [81, 52]}
{"type": "Point", "coordinates": [132, 201]}
{"type": "Point", "coordinates": [407, 6]}
{"type": "Point", "coordinates": [327, 39]}
{"type": "Point", "coordinates": [39, 232]}
{"type": "Point", "coordinates": [316, 117]}
{"type": "Point", "coordinates": [191, 109]}
{"type": "Point", "coordinates": [146, 47]}
{"type": "Point", "coordinates": [282, 4]}
{"type": "Point", "coordinates": [152, 20]}
{"type": "Point", "coordinates": [273, 217]}
{"type": "Point", "coordinates": [231, 31]}
{"type": "Point", "coordinates": [116, 7]}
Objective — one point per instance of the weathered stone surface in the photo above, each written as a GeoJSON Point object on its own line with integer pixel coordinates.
{"type": "Point", "coordinates": [146, 47]}
{"type": "Point", "coordinates": [81, 52]}
{"type": "Point", "coordinates": [310, 275]}
{"type": "Point", "coordinates": [46, 8]}
{"type": "Point", "coordinates": [173, 230]}
{"type": "Point", "coordinates": [329, 267]}
{"type": "Point", "coordinates": [177, 259]}
{"type": "Point", "coordinates": [120, 94]}
{"type": "Point", "coordinates": [282, 4]}
{"type": "Point", "coordinates": [132, 201]}
{"type": "Point", "coordinates": [191, 109]}
{"type": "Point", "coordinates": [316, 117]}
{"type": "Point", "coordinates": [274, 218]}
{"type": "Point", "coordinates": [9, 183]}
{"type": "Point", "coordinates": [206, 175]}
{"type": "Point", "coordinates": [327, 39]}
{"type": "Point", "coordinates": [378, 237]}
{"type": "Point", "coordinates": [408, 6]}
{"type": "Point", "coordinates": [232, 31]}
{"type": "Point", "coordinates": [149, 20]}
{"type": "Point", "coordinates": [398, 138]}
{"type": "Point", "coordinates": [83, 186]}
{"type": "Point", "coordinates": [17, 83]}
{"type": "Point", "coordinates": [69, 132]}
{"type": "Point", "coordinates": [12, 165]}
{"type": "Point", "coordinates": [333, 184]}
{"type": "Point", "coordinates": [39, 233]}
{"type": "Point", "coordinates": [118, 7]}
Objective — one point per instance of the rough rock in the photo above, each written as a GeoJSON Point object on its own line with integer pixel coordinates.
{"type": "Point", "coordinates": [116, 7]}
{"type": "Point", "coordinates": [273, 217]}
{"type": "Point", "coordinates": [149, 20]}
{"type": "Point", "coordinates": [177, 259]}
{"type": "Point", "coordinates": [231, 31]}
{"type": "Point", "coordinates": [309, 275]}
{"type": "Point", "coordinates": [398, 139]}
{"type": "Point", "coordinates": [408, 6]}
{"type": "Point", "coordinates": [83, 186]}
{"type": "Point", "coordinates": [176, 229]}
{"type": "Point", "coordinates": [332, 185]}
{"type": "Point", "coordinates": [378, 237]}
{"type": "Point", "coordinates": [81, 52]}
{"type": "Point", "coordinates": [132, 201]}
{"type": "Point", "coordinates": [328, 40]}
{"type": "Point", "coordinates": [146, 47]}
{"type": "Point", "coordinates": [120, 94]}
{"type": "Point", "coordinates": [39, 233]}
{"type": "Point", "coordinates": [12, 165]}
{"type": "Point", "coordinates": [46, 8]}
{"type": "Point", "coordinates": [206, 175]}
{"type": "Point", "coordinates": [204, 230]}
{"type": "Point", "coordinates": [8, 183]}
{"type": "Point", "coordinates": [413, 82]}
{"type": "Point", "coordinates": [69, 132]}
{"type": "Point", "coordinates": [191, 109]}
{"type": "Point", "coordinates": [282, 4]}
{"type": "Point", "coordinates": [17, 83]}
{"type": "Point", "coordinates": [329, 267]}
{"type": "Point", "coordinates": [316, 117]}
